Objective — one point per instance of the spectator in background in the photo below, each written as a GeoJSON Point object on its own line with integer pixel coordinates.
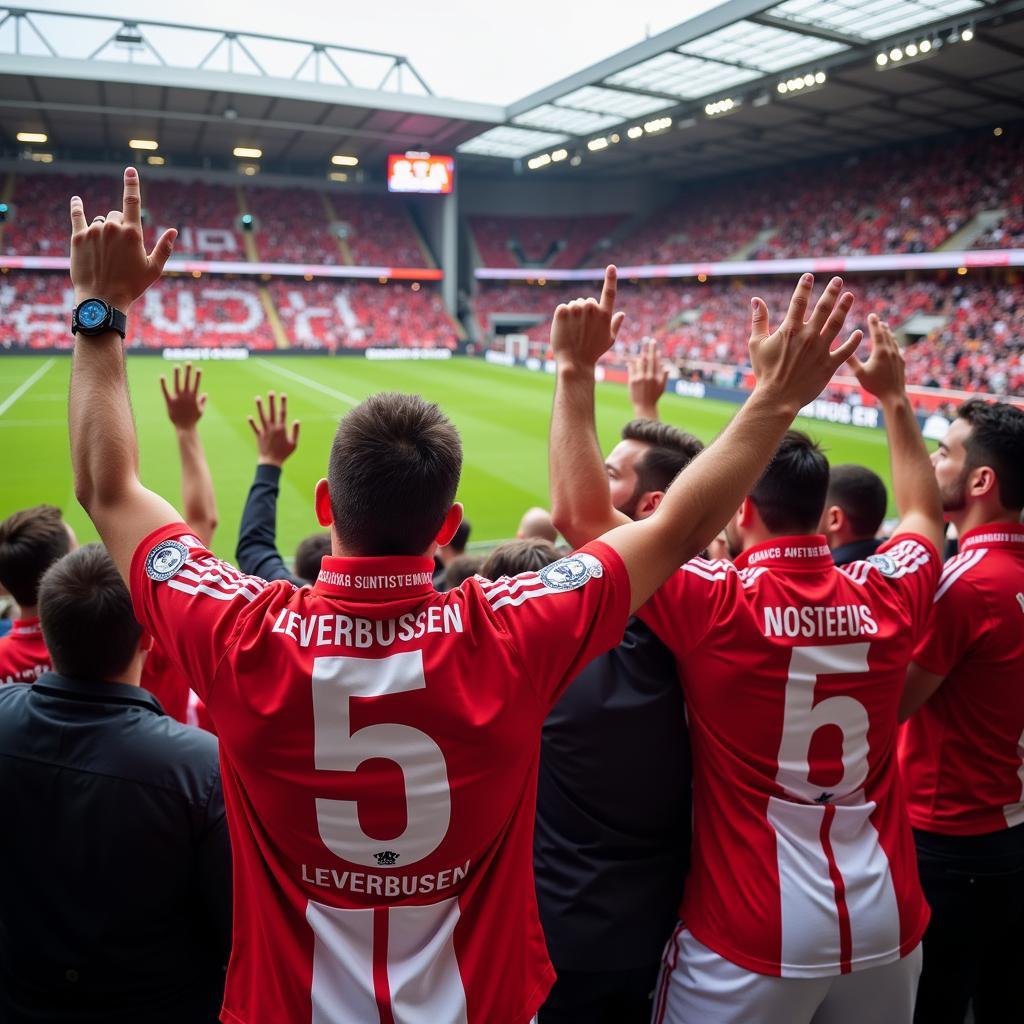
{"type": "Point", "coordinates": [257, 552]}
{"type": "Point", "coordinates": [516, 556]}
{"type": "Point", "coordinates": [536, 523]}
{"type": "Point", "coordinates": [854, 510]}
{"type": "Point", "coordinates": [460, 569]}
{"type": "Point", "coordinates": [963, 748]}
{"type": "Point", "coordinates": [31, 540]}
{"type": "Point", "coordinates": [115, 901]}
{"type": "Point", "coordinates": [646, 378]}
{"type": "Point", "coordinates": [185, 407]}
{"type": "Point", "coordinates": [613, 798]}
{"type": "Point", "coordinates": [447, 553]}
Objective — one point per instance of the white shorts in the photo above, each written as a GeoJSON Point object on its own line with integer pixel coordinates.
{"type": "Point", "coordinates": [697, 986]}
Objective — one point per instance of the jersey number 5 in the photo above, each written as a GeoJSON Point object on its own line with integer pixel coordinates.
{"type": "Point", "coordinates": [336, 683]}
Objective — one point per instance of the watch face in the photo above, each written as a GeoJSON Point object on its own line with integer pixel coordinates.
{"type": "Point", "coordinates": [91, 313]}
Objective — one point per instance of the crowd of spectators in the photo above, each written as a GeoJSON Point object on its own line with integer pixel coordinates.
{"type": "Point", "coordinates": [558, 242]}
{"type": "Point", "coordinates": [379, 231]}
{"type": "Point", "coordinates": [978, 345]}
{"type": "Point", "coordinates": [291, 226]}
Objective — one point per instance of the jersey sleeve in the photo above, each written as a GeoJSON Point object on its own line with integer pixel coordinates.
{"type": "Point", "coordinates": [685, 606]}
{"type": "Point", "coordinates": [910, 565]}
{"type": "Point", "coordinates": [957, 622]}
{"type": "Point", "coordinates": [563, 616]}
{"type": "Point", "coordinates": [190, 601]}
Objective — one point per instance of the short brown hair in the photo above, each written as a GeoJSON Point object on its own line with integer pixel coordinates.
{"type": "Point", "coordinates": [516, 556]}
{"type": "Point", "coordinates": [671, 451]}
{"type": "Point", "coordinates": [86, 614]}
{"type": "Point", "coordinates": [30, 542]}
{"type": "Point", "coordinates": [394, 470]}
{"type": "Point", "coordinates": [997, 440]}
{"type": "Point", "coordinates": [310, 553]}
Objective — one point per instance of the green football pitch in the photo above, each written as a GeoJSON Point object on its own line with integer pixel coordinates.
{"type": "Point", "coordinates": [501, 412]}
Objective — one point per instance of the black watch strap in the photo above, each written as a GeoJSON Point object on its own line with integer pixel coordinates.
{"type": "Point", "coordinates": [118, 321]}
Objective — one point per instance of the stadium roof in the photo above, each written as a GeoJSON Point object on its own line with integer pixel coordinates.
{"type": "Point", "coordinates": [92, 83]}
{"type": "Point", "coordinates": [751, 83]}
{"type": "Point", "coordinates": [748, 84]}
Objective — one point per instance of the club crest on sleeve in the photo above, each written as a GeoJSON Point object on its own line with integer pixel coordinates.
{"type": "Point", "coordinates": [572, 572]}
{"type": "Point", "coordinates": [884, 564]}
{"type": "Point", "coordinates": [165, 560]}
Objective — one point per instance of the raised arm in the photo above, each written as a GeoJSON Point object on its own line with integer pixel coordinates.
{"type": "Point", "coordinates": [185, 407]}
{"type": "Point", "coordinates": [257, 535]}
{"type": "Point", "coordinates": [915, 489]}
{"type": "Point", "coordinates": [109, 262]}
{"type": "Point", "coordinates": [791, 366]}
{"type": "Point", "coordinates": [647, 376]}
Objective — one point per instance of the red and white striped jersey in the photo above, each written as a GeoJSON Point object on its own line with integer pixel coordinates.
{"type": "Point", "coordinates": [803, 862]}
{"type": "Point", "coordinates": [379, 751]}
{"type": "Point", "coordinates": [962, 752]}
{"type": "Point", "coordinates": [23, 654]}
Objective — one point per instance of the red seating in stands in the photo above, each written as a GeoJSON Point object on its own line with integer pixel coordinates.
{"type": "Point", "coordinates": [540, 241]}
{"type": "Point", "coordinates": [380, 232]}
{"type": "Point", "coordinates": [292, 226]}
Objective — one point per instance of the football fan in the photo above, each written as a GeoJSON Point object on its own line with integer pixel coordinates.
{"type": "Point", "coordinates": [31, 540]}
{"type": "Point", "coordinates": [854, 510]}
{"type": "Point", "coordinates": [517, 556]}
{"type": "Point", "coordinates": [646, 377]}
{"type": "Point", "coordinates": [609, 845]}
{"type": "Point", "coordinates": [536, 523]}
{"type": "Point", "coordinates": [379, 741]}
{"type": "Point", "coordinates": [115, 898]}
{"type": "Point", "coordinates": [962, 752]}
{"type": "Point", "coordinates": [803, 902]}
{"type": "Point", "coordinates": [257, 552]}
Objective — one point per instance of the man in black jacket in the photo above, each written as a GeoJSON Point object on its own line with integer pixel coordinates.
{"type": "Point", "coordinates": [115, 869]}
{"type": "Point", "coordinates": [613, 796]}
{"type": "Point", "coordinates": [854, 510]}
{"type": "Point", "coordinates": [257, 552]}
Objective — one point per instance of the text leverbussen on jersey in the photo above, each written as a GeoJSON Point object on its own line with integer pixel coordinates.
{"type": "Point", "coordinates": [351, 631]}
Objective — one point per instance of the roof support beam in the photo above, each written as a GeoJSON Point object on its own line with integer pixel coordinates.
{"type": "Point", "coordinates": [816, 31]}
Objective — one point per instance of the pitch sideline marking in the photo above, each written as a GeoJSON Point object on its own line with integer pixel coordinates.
{"type": "Point", "coordinates": [23, 387]}
{"type": "Point", "coordinates": [309, 383]}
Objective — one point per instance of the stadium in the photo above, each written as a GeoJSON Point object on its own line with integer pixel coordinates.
{"type": "Point", "coordinates": [342, 231]}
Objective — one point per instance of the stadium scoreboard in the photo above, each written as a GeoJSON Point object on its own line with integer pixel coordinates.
{"type": "Point", "coordinates": [424, 173]}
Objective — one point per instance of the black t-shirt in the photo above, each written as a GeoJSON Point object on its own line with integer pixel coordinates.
{"type": "Point", "coordinates": [612, 842]}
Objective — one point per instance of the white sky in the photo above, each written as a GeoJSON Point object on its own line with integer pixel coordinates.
{"type": "Point", "coordinates": [482, 50]}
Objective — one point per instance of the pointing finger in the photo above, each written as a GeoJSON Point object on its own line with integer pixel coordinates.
{"type": "Point", "coordinates": [78, 221]}
{"type": "Point", "coordinates": [132, 202]}
{"type": "Point", "coordinates": [608, 292]}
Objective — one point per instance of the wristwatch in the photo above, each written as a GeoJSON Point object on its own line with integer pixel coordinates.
{"type": "Point", "coordinates": [94, 316]}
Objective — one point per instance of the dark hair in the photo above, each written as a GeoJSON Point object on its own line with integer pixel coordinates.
{"type": "Point", "coordinates": [516, 556]}
{"type": "Point", "coordinates": [461, 537]}
{"type": "Point", "coordinates": [86, 614]}
{"type": "Point", "coordinates": [861, 494]}
{"type": "Point", "coordinates": [790, 496]}
{"type": "Point", "coordinates": [310, 553]}
{"type": "Point", "coordinates": [460, 568]}
{"type": "Point", "coordinates": [30, 542]}
{"type": "Point", "coordinates": [671, 450]}
{"type": "Point", "coordinates": [394, 470]}
{"type": "Point", "coordinates": [997, 440]}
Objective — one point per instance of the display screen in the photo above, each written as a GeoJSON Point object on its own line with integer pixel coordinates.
{"type": "Point", "coordinates": [421, 172]}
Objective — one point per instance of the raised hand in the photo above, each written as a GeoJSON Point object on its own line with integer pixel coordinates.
{"type": "Point", "coordinates": [185, 404]}
{"type": "Point", "coordinates": [883, 374]}
{"type": "Point", "coordinates": [794, 362]}
{"type": "Point", "coordinates": [647, 377]}
{"type": "Point", "coordinates": [274, 440]}
{"type": "Point", "coordinates": [584, 329]}
{"type": "Point", "coordinates": [108, 258]}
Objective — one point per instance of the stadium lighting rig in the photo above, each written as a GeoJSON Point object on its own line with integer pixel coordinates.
{"type": "Point", "coordinates": [921, 47]}
{"type": "Point", "coordinates": [720, 107]}
{"type": "Point", "coordinates": [247, 152]}
{"type": "Point", "coordinates": [801, 83]}
{"type": "Point", "coordinates": [32, 137]}
{"type": "Point", "coordinates": [143, 144]}
{"type": "Point", "coordinates": [343, 160]}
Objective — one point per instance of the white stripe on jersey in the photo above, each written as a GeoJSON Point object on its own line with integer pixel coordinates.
{"type": "Point", "coordinates": [712, 576]}
{"type": "Point", "coordinates": [950, 577]}
{"type": "Point", "coordinates": [856, 572]}
{"type": "Point", "coordinates": [513, 601]}
{"type": "Point", "coordinates": [749, 575]}
{"type": "Point", "coordinates": [1014, 813]}
{"type": "Point", "coordinates": [509, 584]}
{"type": "Point", "coordinates": [221, 595]}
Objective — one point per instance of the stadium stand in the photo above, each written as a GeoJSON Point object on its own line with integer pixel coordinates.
{"type": "Point", "coordinates": [292, 226]}
{"type": "Point", "coordinates": [907, 199]}
{"type": "Point", "coordinates": [540, 241]}
{"type": "Point", "coordinates": [978, 346]}
{"type": "Point", "coordinates": [379, 231]}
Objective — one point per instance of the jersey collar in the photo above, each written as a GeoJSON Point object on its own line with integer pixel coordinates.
{"type": "Point", "coordinates": [994, 535]}
{"type": "Point", "coordinates": [809, 551]}
{"type": "Point", "coordinates": [26, 627]}
{"type": "Point", "coordinates": [375, 579]}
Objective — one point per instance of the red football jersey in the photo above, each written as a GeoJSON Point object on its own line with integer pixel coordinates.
{"type": "Point", "coordinates": [803, 861]}
{"type": "Point", "coordinates": [962, 752]}
{"type": "Point", "coordinates": [23, 654]}
{"type": "Point", "coordinates": [165, 680]}
{"type": "Point", "coordinates": [379, 750]}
